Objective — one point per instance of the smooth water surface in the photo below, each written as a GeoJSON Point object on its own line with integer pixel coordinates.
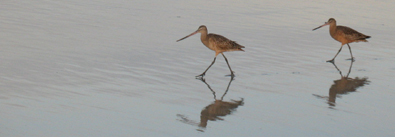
{"type": "Point", "coordinates": [114, 68]}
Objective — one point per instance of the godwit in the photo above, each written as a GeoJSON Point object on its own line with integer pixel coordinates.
{"type": "Point", "coordinates": [217, 43]}
{"type": "Point", "coordinates": [344, 35]}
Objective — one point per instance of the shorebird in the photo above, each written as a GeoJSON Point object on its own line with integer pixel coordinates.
{"type": "Point", "coordinates": [217, 43]}
{"type": "Point", "coordinates": [344, 35]}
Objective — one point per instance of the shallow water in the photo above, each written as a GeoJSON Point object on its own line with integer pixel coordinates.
{"type": "Point", "coordinates": [114, 68]}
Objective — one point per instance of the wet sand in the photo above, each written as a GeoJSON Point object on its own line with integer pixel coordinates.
{"type": "Point", "coordinates": [114, 68]}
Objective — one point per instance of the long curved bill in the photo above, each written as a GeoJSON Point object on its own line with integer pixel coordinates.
{"type": "Point", "coordinates": [326, 23]}
{"type": "Point", "coordinates": [188, 36]}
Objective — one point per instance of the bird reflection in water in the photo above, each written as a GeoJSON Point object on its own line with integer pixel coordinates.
{"type": "Point", "coordinates": [343, 86]}
{"type": "Point", "coordinates": [214, 111]}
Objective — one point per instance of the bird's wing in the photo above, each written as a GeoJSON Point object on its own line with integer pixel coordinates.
{"type": "Point", "coordinates": [223, 42]}
{"type": "Point", "coordinates": [351, 33]}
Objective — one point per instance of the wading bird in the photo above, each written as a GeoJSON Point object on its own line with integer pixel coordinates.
{"type": "Point", "coordinates": [217, 43]}
{"type": "Point", "coordinates": [344, 35]}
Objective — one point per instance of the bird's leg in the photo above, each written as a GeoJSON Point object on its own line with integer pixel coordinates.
{"type": "Point", "coordinates": [231, 72]}
{"type": "Point", "coordinates": [332, 60]}
{"type": "Point", "coordinates": [201, 75]}
{"type": "Point", "coordinates": [340, 72]}
{"type": "Point", "coordinates": [349, 70]}
{"type": "Point", "coordinates": [352, 57]}
{"type": "Point", "coordinates": [227, 88]}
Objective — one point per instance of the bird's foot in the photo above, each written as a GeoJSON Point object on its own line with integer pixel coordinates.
{"type": "Point", "coordinates": [352, 59]}
{"type": "Point", "coordinates": [331, 61]}
{"type": "Point", "coordinates": [200, 76]}
{"type": "Point", "coordinates": [231, 74]}
{"type": "Point", "coordinates": [201, 79]}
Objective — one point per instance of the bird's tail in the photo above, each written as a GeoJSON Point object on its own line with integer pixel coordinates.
{"type": "Point", "coordinates": [363, 39]}
{"type": "Point", "coordinates": [236, 46]}
{"type": "Point", "coordinates": [239, 47]}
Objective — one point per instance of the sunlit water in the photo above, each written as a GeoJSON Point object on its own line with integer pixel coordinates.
{"type": "Point", "coordinates": [114, 68]}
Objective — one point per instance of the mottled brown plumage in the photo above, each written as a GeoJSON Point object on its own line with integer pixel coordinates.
{"type": "Point", "coordinates": [221, 44]}
{"type": "Point", "coordinates": [344, 35]}
{"type": "Point", "coordinates": [217, 43]}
